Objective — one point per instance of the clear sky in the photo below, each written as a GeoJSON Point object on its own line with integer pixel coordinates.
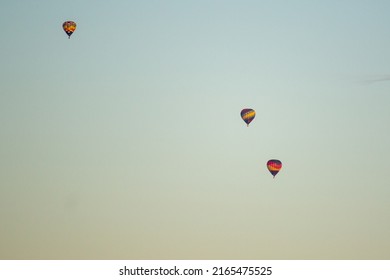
{"type": "Point", "coordinates": [126, 142]}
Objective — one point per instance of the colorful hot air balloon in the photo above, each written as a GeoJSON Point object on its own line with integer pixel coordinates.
{"type": "Point", "coordinates": [248, 115]}
{"type": "Point", "coordinates": [69, 27]}
{"type": "Point", "coordinates": [274, 166]}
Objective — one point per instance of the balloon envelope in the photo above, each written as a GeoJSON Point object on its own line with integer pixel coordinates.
{"type": "Point", "coordinates": [69, 27]}
{"type": "Point", "coordinates": [248, 115]}
{"type": "Point", "coordinates": [274, 166]}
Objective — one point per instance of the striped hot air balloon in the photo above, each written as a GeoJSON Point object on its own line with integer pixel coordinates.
{"type": "Point", "coordinates": [69, 27]}
{"type": "Point", "coordinates": [248, 115]}
{"type": "Point", "coordinates": [274, 166]}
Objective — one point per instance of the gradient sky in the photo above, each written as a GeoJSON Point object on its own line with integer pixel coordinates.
{"type": "Point", "coordinates": [126, 142]}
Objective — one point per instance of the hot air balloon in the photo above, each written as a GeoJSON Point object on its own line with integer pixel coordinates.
{"type": "Point", "coordinates": [69, 27]}
{"type": "Point", "coordinates": [274, 166]}
{"type": "Point", "coordinates": [248, 115]}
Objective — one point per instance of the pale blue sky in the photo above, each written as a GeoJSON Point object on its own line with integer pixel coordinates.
{"type": "Point", "coordinates": [125, 141]}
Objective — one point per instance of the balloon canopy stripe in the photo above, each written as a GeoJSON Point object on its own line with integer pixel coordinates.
{"type": "Point", "coordinates": [274, 168]}
{"type": "Point", "coordinates": [249, 115]}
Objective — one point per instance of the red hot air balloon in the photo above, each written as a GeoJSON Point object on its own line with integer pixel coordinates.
{"type": "Point", "coordinates": [274, 166]}
{"type": "Point", "coordinates": [248, 115]}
